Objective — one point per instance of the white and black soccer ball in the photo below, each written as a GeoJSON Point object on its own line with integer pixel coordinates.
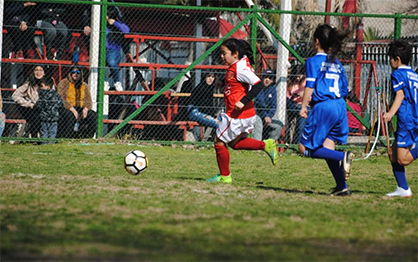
{"type": "Point", "coordinates": [136, 162]}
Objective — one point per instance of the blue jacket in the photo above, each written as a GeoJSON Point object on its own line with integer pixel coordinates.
{"type": "Point", "coordinates": [266, 102]}
{"type": "Point", "coordinates": [114, 35]}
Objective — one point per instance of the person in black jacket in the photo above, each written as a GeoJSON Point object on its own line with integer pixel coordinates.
{"type": "Point", "coordinates": [201, 103]}
{"type": "Point", "coordinates": [19, 30]}
{"type": "Point", "coordinates": [49, 106]}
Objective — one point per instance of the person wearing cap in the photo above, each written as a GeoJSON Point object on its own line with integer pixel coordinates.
{"type": "Point", "coordinates": [78, 120]}
{"type": "Point", "coordinates": [266, 105]}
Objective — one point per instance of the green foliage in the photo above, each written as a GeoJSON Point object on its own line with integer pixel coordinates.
{"type": "Point", "coordinates": [372, 33]}
{"type": "Point", "coordinates": [76, 202]}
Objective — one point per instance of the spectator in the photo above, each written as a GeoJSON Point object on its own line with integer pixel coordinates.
{"type": "Point", "coordinates": [201, 107]}
{"type": "Point", "coordinates": [78, 120]}
{"type": "Point", "coordinates": [265, 103]}
{"type": "Point", "coordinates": [49, 106]}
{"type": "Point", "coordinates": [17, 22]}
{"type": "Point", "coordinates": [56, 34]}
{"type": "Point", "coordinates": [114, 42]}
{"type": "Point", "coordinates": [354, 125]}
{"type": "Point", "coordinates": [294, 96]}
{"type": "Point", "coordinates": [2, 117]}
{"type": "Point", "coordinates": [26, 97]}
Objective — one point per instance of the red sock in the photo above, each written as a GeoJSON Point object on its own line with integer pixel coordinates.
{"type": "Point", "coordinates": [222, 156]}
{"type": "Point", "coordinates": [249, 144]}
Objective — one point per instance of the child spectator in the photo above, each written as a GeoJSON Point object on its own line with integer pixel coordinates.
{"type": "Point", "coordinates": [114, 42]}
{"type": "Point", "coordinates": [49, 106]}
{"type": "Point", "coordinates": [354, 125]}
{"type": "Point", "coordinates": [266, 105]}
{"type": "Point", "coordinates": [242, 85]}
{"type": "Point", "coordinates": [405, 106]}
{"type": "Point", "coordinates": [327, 123]}
{"type": "Point", "coordinates": [78, 120]}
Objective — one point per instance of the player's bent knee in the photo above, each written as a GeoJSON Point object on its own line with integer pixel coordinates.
{"type": "Point", "coordinates": [404, 161]}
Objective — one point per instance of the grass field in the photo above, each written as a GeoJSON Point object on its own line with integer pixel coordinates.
{"type": "Point", "coordinates": [76, 202]}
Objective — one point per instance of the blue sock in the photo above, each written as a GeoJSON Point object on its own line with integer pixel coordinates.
{"type": "Point", "coordinates": [337, 172]}
{"type": "Point", "coordinates": [414, 150]}
{"type": "Point", "coordinates": [399, 172]}
{"type": "Point", "coordinates": [325, 153]}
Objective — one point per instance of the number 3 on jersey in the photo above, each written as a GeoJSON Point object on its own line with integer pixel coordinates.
{"type": "Point", "coordinates": [335, 88]}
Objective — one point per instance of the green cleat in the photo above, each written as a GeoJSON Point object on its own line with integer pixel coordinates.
{"type": "Point", "coordinates": [271, 150]}
{"type": "Point", "coordinates": [219, 178]}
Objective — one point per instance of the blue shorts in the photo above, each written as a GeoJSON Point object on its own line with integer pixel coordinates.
{"type": "Point", "coordinates": [406, 138]}
{"type": "Point", "coordinates": [328, 119]}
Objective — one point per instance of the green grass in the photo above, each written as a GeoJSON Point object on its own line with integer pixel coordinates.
{"type": "Point", "coordinates": [76, 202]}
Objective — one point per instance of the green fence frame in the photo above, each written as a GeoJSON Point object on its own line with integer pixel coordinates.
{"type": "Point", "coordinates": [254, 16]}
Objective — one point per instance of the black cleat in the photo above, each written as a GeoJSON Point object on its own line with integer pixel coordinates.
{"type": "Point", "coordinates": [341, 192]}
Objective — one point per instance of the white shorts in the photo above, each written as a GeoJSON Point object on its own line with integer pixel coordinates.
{"type": "Point", "coordinates": [231, 128]}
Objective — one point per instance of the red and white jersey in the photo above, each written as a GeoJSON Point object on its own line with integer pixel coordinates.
{"type": "Point", "coordinates": [240, 77]}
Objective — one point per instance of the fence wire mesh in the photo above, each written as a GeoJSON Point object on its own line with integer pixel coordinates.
{"type": "Point", "coordinates": [105, 88]}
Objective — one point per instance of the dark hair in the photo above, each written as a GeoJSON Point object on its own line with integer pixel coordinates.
{"type": "Point", "coordinates": [113, 12]}
{"type": "Point", "coordinates": [330, 39]}
{"type": "Point", "coordinates": [402, 49]}
{"type": "Point", "coordinates": [47, 81]}
{"type": "Point", "coordinates": [33, 81]}
{"type": "Point", "coordinates": [241, 46]}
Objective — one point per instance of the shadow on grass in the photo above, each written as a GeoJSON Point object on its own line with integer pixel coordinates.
{"type": "Point", "coordinates": [191, 178]}
{"type": "Point", "coordinates": [291, 190]}
{"type": "Point", "coordinates": [299, 191]}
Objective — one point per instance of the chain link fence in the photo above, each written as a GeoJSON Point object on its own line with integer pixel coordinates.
{"type": "Point", "coordinates": [153, 72]}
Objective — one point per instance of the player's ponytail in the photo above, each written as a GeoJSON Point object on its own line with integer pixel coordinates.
{"type": "Point", "coordinates": [241, 46]}
{"type": "Point", "coordinates": [330, 39]}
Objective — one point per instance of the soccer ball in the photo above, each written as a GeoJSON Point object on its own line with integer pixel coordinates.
{"type": "Point", "coordinates": [136, 162]}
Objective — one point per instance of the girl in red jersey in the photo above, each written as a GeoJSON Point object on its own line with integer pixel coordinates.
{"type": "Point", "coordinates": [241, 86]}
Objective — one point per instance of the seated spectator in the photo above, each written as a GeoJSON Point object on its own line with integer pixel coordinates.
{"type": "Point", "coordinates": [2, 117]}
{"type": "Point", "coordinates": [78, 120]}
{"type": "Point", "coordinates": [294, 122]}
{"type": "Point", "coordinates": [56, 33]}
{"type": "Point", "coordinates": [200, 105]}
{"type": "Point", "coordinates": [26, 97]}
{"type": "Point", "coordinates": [19, 31]}
{"type": "Point", "coordinates": [265, 104]}
{"type": "Point", "coordinates": [114, 42]}
{"type": "Point", "coordinates": [49, 106]}
{"type": "Point", "coordinates": [354, 125]}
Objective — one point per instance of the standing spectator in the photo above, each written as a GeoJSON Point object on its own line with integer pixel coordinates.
{"type": "Point", "coordinates": [56, 34]}
{"type": "Point", "coordinates": [242, 85]}
{"type": "Point", "coordinates": [26, 97]}
{"type": "Point", "coordinates": [49, 106]}
{"type": "Point", "coordinates": [17, 22]}
{"type": "Point", "coordinates": [114, 43]}
{"type": "Point", "coordinates": [266, 105]}
{"type": "Point", "coordinates": [78, 120]}
{"type": "Point", "coordinates": [2, 116]}
{"type": "Point", "coordinates": [405, 107]}
{"type": "Point", "coordinates": [201, 107]}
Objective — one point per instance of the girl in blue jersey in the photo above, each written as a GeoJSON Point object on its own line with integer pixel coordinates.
{"type": "Point", "coordinates": [327, 123]}
{"type": "Point", "coordinates": [405, 106]}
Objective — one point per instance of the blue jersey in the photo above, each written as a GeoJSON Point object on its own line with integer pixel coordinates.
{"type": "Point", "coordinates": [404, 78]}
{"type": "Point", "coordinates": [326, 77]}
